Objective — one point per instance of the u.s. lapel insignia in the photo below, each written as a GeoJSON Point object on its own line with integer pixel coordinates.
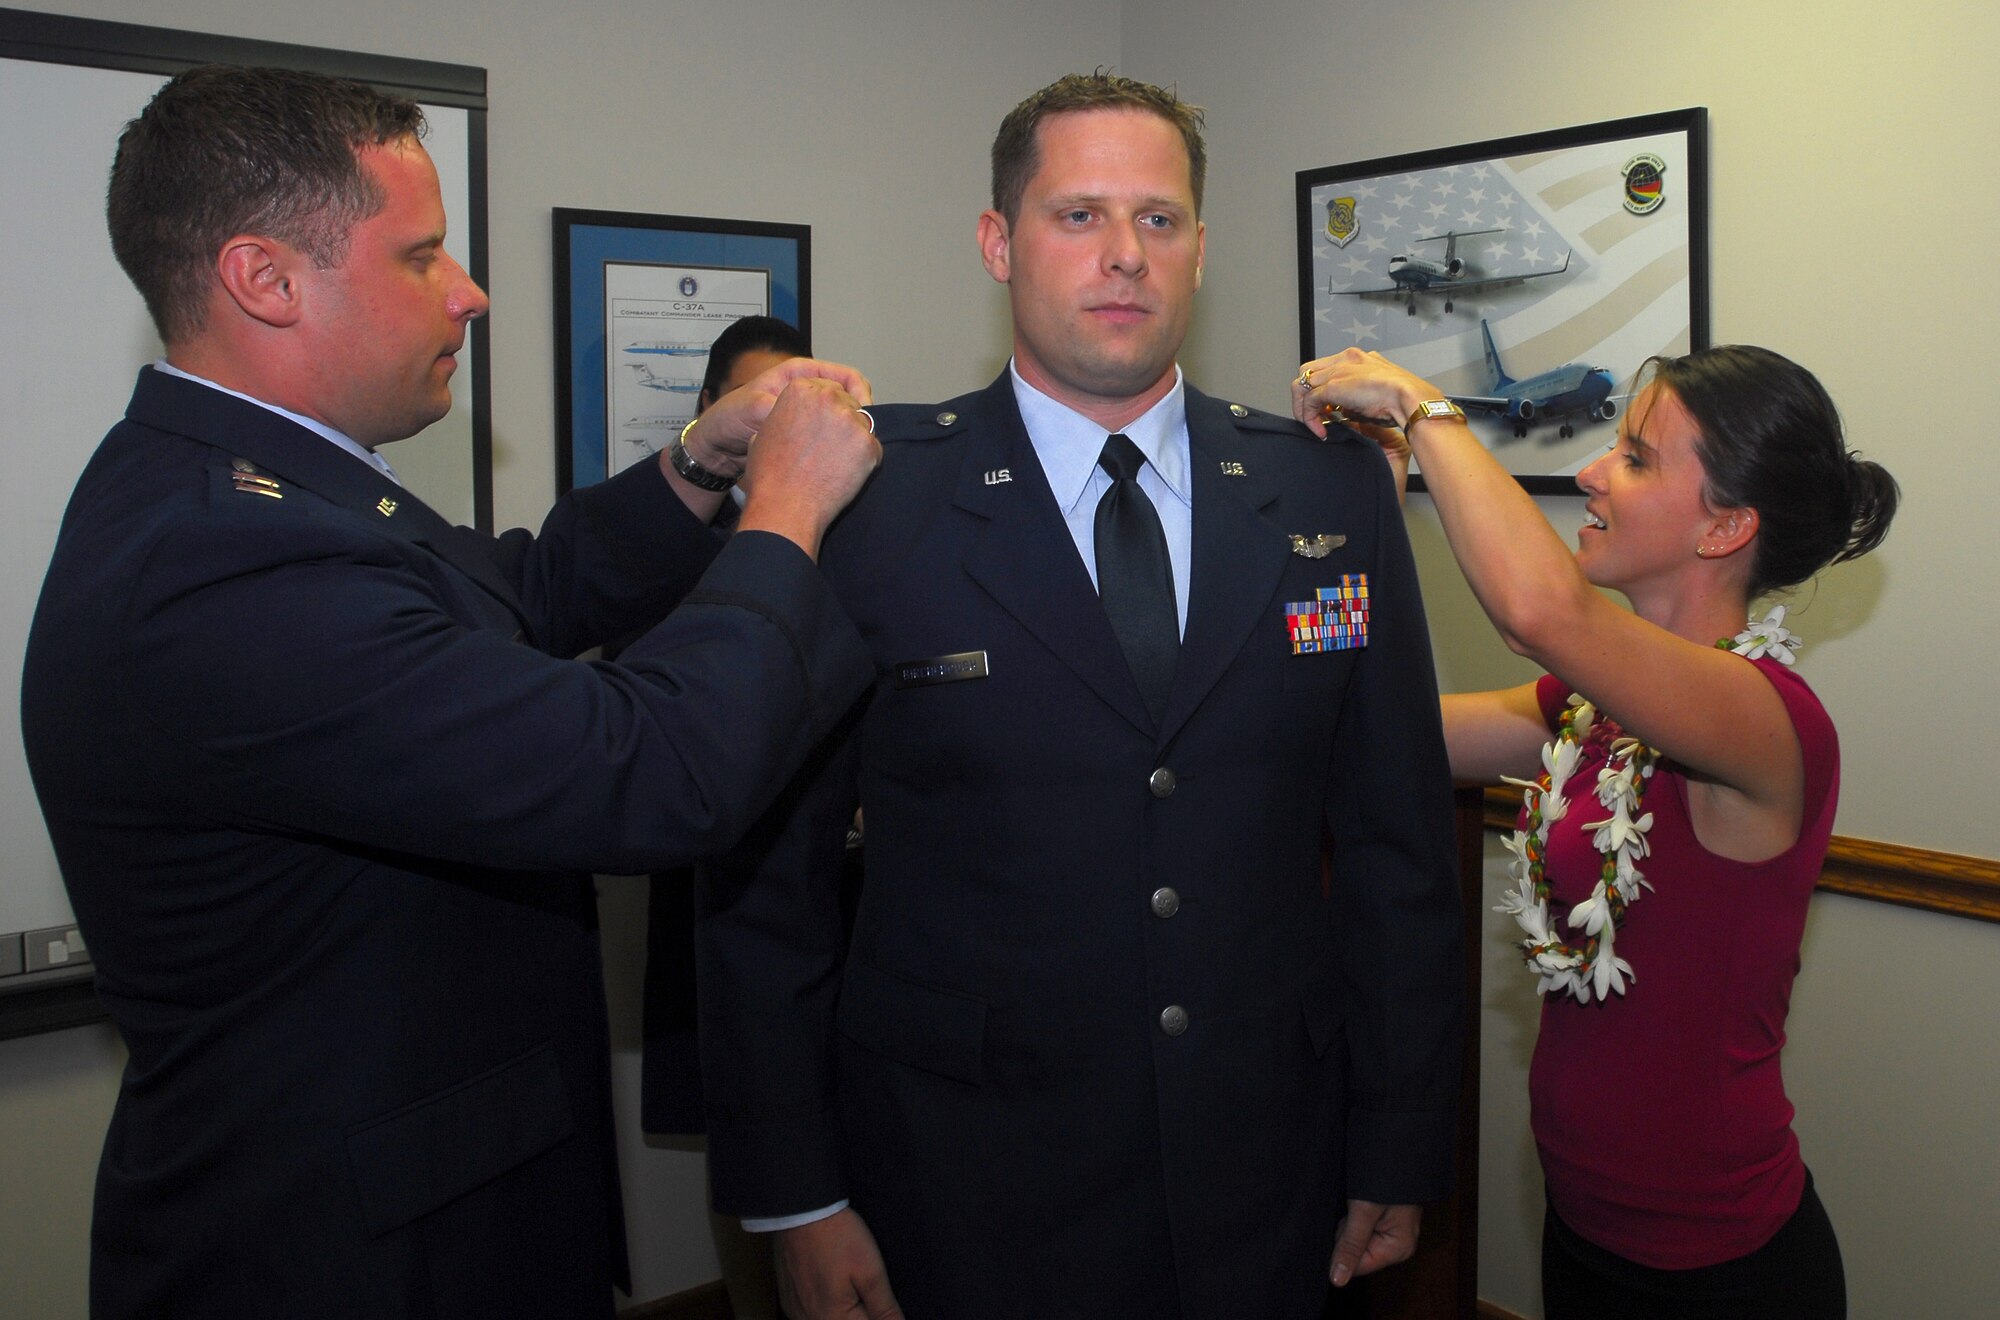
{"type": "Point", "coordinates": [385, 506]}
{"type": "Point", "coordinates": [249, 481]}
{"type": "Point", "coordinates": [1320, 546]}
{"type": "Point", "coordinates": [1336, 619]}
{"type": "Point", "coordinates": [1232, 469]}
{"type": "Point", "coordinates": [999, 475]}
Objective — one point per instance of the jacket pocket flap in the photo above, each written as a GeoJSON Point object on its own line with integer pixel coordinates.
{"type": "Point", "coordinates": [426, 1154]}
{"type": "Point", "coordinates": [939, 1031]}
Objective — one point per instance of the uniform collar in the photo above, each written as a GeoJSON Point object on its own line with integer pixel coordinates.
{"type": "Point", "coordinates": [318, 428]}
{"type": "Point", "coordinates": [1068, 443]}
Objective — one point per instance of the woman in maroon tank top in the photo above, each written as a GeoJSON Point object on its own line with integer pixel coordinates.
{"type": "Point", "coordinates": [1680, 784]}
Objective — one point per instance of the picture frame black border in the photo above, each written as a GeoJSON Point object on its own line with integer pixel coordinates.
{"type": "Point", "coordinates": [1691, 121]}
{"type": "Point", "coordinates": [564, 221]}
{"type": "Point", "coordinates": [51, 1001]}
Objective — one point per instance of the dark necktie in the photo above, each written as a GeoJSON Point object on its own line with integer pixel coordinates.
{"type": "Point", "coordinates": [1135, 578]}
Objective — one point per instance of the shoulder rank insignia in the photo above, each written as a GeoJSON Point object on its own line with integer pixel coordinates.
{"type": "Point", "coordinates": [1319, 547]}
{"type": "Point", "coordinates": [249, 481]}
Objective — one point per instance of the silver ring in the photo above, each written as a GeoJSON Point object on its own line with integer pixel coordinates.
{"type": "Point", "coordinates": [871, 419]}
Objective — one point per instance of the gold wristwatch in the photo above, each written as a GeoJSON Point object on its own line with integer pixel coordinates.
{"type": "Point", "coordinates": [1430, 408]}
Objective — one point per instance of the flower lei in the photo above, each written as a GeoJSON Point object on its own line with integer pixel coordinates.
{"type": "Point", "coordinates": [1594, 969]}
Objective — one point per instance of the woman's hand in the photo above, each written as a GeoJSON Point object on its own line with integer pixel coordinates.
{"type": "Point", "coordinates": [1367, 393]}
{"type": "Point", "coordinates": [1354, 384]}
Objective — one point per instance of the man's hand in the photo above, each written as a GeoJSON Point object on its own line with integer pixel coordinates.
{"type": "Point", "coordinates": [1372, 1236]}
{"type": "Point", "coordinates": [830, 1270]}
{"type": "Point", "coordinates": [814, 452]}
{"type": "Point", "coordinates": [720, 440]}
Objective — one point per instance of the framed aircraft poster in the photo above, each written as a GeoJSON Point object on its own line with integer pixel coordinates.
{"type": "Point", "coordinates": [1528, 277]}
{"type": "Point", "coordinates": [639, 299]}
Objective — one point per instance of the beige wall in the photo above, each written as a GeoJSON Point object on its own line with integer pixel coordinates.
{"type": "Point", "coordinates": [1851, 193]}
{"type": "Point", "coordinates": [1850, 218]}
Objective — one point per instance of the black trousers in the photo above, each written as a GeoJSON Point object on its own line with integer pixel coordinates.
{"type": "Point", "coordinates": [1797, 1275]}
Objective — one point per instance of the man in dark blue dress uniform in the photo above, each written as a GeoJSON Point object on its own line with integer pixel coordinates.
{"type": "Point", "coordinates": [1106, 1041]}
{"type": "Point", "coordinates": [322, 779]}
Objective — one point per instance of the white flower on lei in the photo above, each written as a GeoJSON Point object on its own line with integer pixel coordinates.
{"type": "Point", "coordinates": [1532, 796]}
{"type": "Point", "coordinates": [1771, 637]}
{"type": "Point", "coordinates": [1622, 834]}
{"type": "Point", "coordinates": [1557, 980]}
{"type": "Point", "coordinates": [1608, 971]}
{"type": "Point", "coordinates": [1593, 915]}
{"type": "Point", "coordinates": [1559, 760]}
{"type": "Point", "coordinates": [1558, 967]}
{"type": "Point", "coordinates": [1533, 919]}
{"type": "Point", "coordinates": [1630, 879]}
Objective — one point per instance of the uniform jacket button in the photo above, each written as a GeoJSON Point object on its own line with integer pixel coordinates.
{"type": "Point", "coordinates": [1173, 1019]}
{"type": "Point", "coordinates": [1165, 901]}
{"type": "Point", "coordinates": [1161, 782]}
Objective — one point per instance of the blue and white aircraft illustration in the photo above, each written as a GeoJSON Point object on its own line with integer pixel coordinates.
{"type": "Point", "coordinates": [1571, 390]}
{"type": "Point", "coordinates": [670, 350]}
{"type": "Point", "coordinates": [1411, 274]}
{"type": "Point", "coordinates": [668, 383]}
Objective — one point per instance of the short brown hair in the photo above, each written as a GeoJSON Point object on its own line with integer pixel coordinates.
{"type": "Point", "coordinates": [1017, 151]}
{"type": "Point", "coordinates": [222, 151]}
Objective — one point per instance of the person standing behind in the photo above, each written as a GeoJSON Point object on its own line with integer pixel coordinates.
{"type": "Point", "coordinates": [670, 1062]}
{"type": "Point", "coordinates": [747, 348]}
{"type": "Point", "coordinates": [670, 1085]}
{"type": "Point", "coordinates": [321, 782]}
{"type": "Point", "coordinates": [1105, 1043]}
{"type": "Point", "coordinates": [1688, 780]}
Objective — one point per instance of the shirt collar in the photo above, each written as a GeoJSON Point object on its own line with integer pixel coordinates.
{"type": "Point", "coordinates": [354, 447]}
{"type": "Point", "coordinates": [1068, 443]}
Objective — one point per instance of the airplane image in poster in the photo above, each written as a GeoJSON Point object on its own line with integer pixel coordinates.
{"type": "Point", "coordinates": [1413, 273]}
{"type": "Point", "coordinates": [669, 349]}
{"type": "Point", "coordinates": [672, 385]}
{"type": "Point", "coordinates": [1571, 390]}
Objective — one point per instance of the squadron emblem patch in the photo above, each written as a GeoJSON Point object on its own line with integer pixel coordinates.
{"type": "Point", "coordinates": [1341, 222]}
{"type": "Point", "coordinates": [1645, 188]}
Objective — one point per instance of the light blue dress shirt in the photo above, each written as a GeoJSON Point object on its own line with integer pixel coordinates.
{"type": "Point", "coordinates": [1068, 443]}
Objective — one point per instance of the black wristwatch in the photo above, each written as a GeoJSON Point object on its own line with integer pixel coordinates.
{"type": "Point", "coordinates": [692, 472]}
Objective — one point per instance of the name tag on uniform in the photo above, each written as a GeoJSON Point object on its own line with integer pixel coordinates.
{"type": "Point", "coordinates": [1336, 619]}
{"type": "Point", "coordinates": [941, 669]}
